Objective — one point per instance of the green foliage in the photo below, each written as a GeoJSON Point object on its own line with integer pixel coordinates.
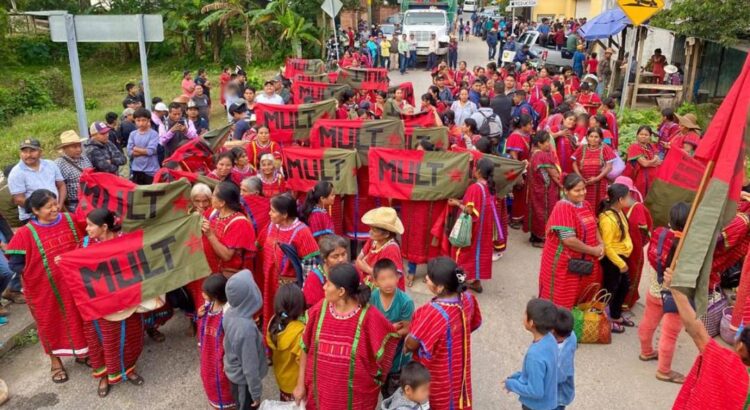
{"type": "Point", "coordinates": [718, 20]}
{"type": "Point", "coordinates": [57, 85]}
{"type": "Point", "coordinates": [25, 95]}
{"type": "Point", "coordinates": [629, 122]}
{"type": "Point", "coordinates": [27, 339]}
{"type": "Point", "coordinates": [91, 104]}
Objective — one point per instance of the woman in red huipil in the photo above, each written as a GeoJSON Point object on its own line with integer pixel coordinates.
{"type": "Point", "coordinates": [211, 344]}
{"type": "Point", "coordinates": [261, 145]}
{"type": "Point", "coordinates": [643, 158]}
{"type": "Point", "coordinates": [544, 183]}
{"type": "Point", "coordinates": [479, 202]}
{"type": "Point", "coordinates": [518, 146]}
{"type": "Point", "coordinates": [288, 248]}
{"type": "Point", "coordinates": [640, 225]}
{"type": "Point", "coordinates": [571, 232]}
{"type": "Point", "coordinates": [385, 226]}
{"type": "Point", "coordinates": [593, 161]}
{"type": "Point", "coordinates": [32, 252]}
{"type": "Point", "coordinates": [544, 104]}
{"type": "Point", "coordinates": [224, 79]}
{"type": "Point", "coordinates": [314, 212]}
{"type": "Point", "coordinates": [334, 249]}
{"type": "Point", "coordinates": [271, 176]}
{"type": "Point", "coordinates": [607, 110]}
{"type": "Point", "coordinates": [347, 347]}
{"type": "Point", "coordinates": [557, 93]}
{"type": "Point", "coordinates": [565, 142]}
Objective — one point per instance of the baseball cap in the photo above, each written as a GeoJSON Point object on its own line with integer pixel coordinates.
{"type": "Point", "coordinates": [128, 111]}
{"type": "Point", "coordinates": [32, 143]}
{"type": "Point", "coordinates": [98, 127]}
{"type": "Point", "coordinates": [191, 104]}
{"type": "Point", "coordinates": [237, 107]}
{"type": "Point", "coordinates": [131, 100]}
{"type": "Point", "coordinates": [161, 107]}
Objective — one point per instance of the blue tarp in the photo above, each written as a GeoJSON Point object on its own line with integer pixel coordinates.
{"type": "Point", "coordinates": [605, 25]}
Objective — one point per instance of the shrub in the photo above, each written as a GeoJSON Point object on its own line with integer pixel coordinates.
{"type": "Point", "coordinates": [58, 85]}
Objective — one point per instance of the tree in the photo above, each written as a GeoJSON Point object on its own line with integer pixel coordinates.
{"type": "Point", "coordinates": [295, 29]}
{"type": "Point", "coordinates": [223, 12]}
{"type": "Point", "coordinates": [723, 21]}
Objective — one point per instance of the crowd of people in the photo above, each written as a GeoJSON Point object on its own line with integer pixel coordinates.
{"type": "Point", "coordinates": [299, 283]}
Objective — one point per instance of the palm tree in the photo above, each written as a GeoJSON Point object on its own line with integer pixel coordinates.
{"type": "Point", "coordinates": [295, 29]}
{"type": "Point", "coordinates": [222, 12]}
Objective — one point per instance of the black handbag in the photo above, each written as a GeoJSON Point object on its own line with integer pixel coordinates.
{"type": "Point", "coordinates": [581, 266]}
{"type": "Point", "coordinates": [668, 304]}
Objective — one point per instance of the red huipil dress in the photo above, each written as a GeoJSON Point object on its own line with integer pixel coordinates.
{"type": "Point", "coordinates": [571, 85]}
{"type": "Point", "coordinates": [556, 283]}
{"type": "Point", "coordinates": [588, 99]}
{"type": "Point", "coordinates": [59, 324]}
{"type": "Point", "coordinates": [590, 163]}
{"type": "Point", "coordinates": [642, 176]}
{"type": "Point", "coordinates": [640, 225]}
{"type": "Point", "coordinates": [273, 186]}
{"type": "Point", "coordinates": [667, 130]}
{"type": "Point", "coordinates": [114, 345]}
{"type": "Point", "coordinates": [521, 144]}
{"type": "Point", "coordinates": [717, 380]}
{"type": "Point", "coordinates": [564, 146]}
{"type": "Point", "coordinates": [679, 140]}
{"type": "Point", "coordinates": [417, 243]}
{"type": "Point", "coordinates": [741, 311]}
{"type": "Point", "coordinates": [211, 346]}
{"type": "Point", "coordinates": [390, 250]}
{"type": "Point", "coordinates": [320, 222]}
{"type": "Point", "coordinates": [731, 246]}
{"type": "Point", "coordinates": [476, 260]}
{"type": "Point", "coordinates": [542, 192]}
{"type": "Point", "coordinates": [238, 174]}
{"type": "Point", "coordinates": [613, 128]}
{"type": "Point", "coordinates": [348, 357]}
{"type": "Point", "coordinates": [276, 266]}
{"type": "Point", "coordinates": [235, 232]}
{"type": "Point", "coordinates": [542, 108]}
{"type": "Point", "coordinates": [312, 289]}
{"type": "Point", "coordinates": [443, 329]}
{"type": "Point", "coordinates": [255, 150]}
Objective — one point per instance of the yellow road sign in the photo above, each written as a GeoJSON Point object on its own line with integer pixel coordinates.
{"type": "Point", "coordinates": [640, 10]}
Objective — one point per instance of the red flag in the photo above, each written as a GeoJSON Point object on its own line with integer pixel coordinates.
{"type": "Point", "coordinates": [296, 66]}
{"type": "Point", "coordinates": [287, 123]}
{"type": "Point", "coordinates": [677, 179]}
{"type": "Point", "coordinates": [193, 156]}
{"type": "Point", "coordinates": [364, 78]}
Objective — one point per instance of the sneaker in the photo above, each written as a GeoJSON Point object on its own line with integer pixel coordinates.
{"type": "Point", "coordinates": [15, 297]}
{"type": "Point", "coordinates": [3, 321]}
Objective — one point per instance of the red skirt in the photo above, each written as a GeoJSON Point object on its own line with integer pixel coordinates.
{"type": "Point", "coordinates": [114, 347]}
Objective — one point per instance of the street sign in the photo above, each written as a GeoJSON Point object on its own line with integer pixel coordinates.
{"type": "Point", "coordinates": [508, 56]}
{"type": "Point", "coordinates": [640, 10]}
{"type": "Point", "coordinates": [332, 7]}
{"type": "Point", "coordinates": [109, 29]}
{"type": "Point", "coordinates": [522, 3]}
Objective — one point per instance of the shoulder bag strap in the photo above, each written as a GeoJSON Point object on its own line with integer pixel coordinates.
{"type": "Point", "coordinates": [659, 250]}
{"type": "Point", "coordinates": [70, 161]}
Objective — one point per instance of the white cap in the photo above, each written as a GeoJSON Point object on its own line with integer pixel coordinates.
{"type": "Point", "coordinates": [160, 106]}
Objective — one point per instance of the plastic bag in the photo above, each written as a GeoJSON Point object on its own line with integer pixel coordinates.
{"type": "Point", "coordinates": [280, 405]}
{"type": "Point", "coordinates": [460, 235]}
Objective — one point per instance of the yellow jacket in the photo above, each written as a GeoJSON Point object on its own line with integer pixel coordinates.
{"type": "Point", "coordinates": [616, 243]}
{"type": "Point", "coordinates": [285, 355]}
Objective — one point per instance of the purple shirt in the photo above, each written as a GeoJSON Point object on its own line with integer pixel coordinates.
{"type": "Point", "coordinates": [149, 140]}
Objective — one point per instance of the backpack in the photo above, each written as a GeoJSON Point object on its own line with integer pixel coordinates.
{"type": "Point", "coordinates": [491, 127]}
{"type": "Point", "coordinates": [532, 112]}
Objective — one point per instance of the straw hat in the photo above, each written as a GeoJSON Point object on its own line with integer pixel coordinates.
{"type": "Point", "coordinates": [69, 137]}
{"type": "Point", "coordinates": [384, 218]}
{"type": "Point", "coordinates": [689, 121]}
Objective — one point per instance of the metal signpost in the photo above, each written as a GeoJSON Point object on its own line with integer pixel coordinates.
{"type": "Point", "coordinates": [70, 29]}
{"type": "Point", "coordinates": [332, 8]}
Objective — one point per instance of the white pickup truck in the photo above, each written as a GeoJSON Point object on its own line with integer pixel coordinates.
{"type": "Point", "coordinates": [423, 23]}
{"type": "Point", "coordinates": [548, 55]}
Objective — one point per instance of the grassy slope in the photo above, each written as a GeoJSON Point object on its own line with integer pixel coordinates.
{"type": "Point", "coordinates": [105, 84]}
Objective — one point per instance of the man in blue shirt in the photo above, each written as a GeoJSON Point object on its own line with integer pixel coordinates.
{"type": "Point", "coordinates": [142, 146]}
{"type": "Point", "coordinates": [33, 173]}
{"type": "Point", "coordinates": [492, 43]}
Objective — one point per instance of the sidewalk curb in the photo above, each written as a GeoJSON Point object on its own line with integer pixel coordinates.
{"type": "Point", "coordinates": [20, 322]}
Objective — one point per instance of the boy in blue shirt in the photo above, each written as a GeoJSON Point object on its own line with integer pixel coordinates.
{"type": "Point", "coordinates": [567, 344]}
{"type": "Point", "coordinates": [536, 383]}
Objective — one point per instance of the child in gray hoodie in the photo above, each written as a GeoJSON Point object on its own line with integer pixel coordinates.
{"type": "Point", "coordinates": [414, 392]}
{"type": "Point", "coordinates": [244, 360]}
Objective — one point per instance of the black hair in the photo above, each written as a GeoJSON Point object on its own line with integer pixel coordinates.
{"type": "Point", "coordinates": [414, 375]}
{"type": "Point", "coordinates": [174, 105]}
{"type": "Point", "coordinates": [484, 101]}
{"type": "Point", "coordinates": [597, 130]}
{"type": "Point", "coordinates": [429, 98]}
{"type": "Point", "coordinates": [433, 89]}
{"type": "Point", "coordinates": [520, 93]}
{"type": "Point", "coordinates": [540, 138]}
{"type": "Point", "coordinates": [322, 189]}
{"type": "Point", "coordinates": [228, 192]}
{"type": "Point", "coordinates": [129, 86]}
{"type": "Point", "coordinates": [426, 144]}
{"type": "Point", "coordinates": [288, 305]}
{"type": "Point", "coordinates": [559, 86]}
{"type": "Point", "coordinates": [615, 192]}
{"type": "Point", "coordinates": [443, 271]}
{"type": "Point", "coordinates": [609, 102]}
{"type": "Point", "coordinates": [563, 323]}
{"type": "Point", "coordinates": [346, 95]}
{"type": "Point", "coordinates": [215, 287]}
{"type": "Point", "coordinates": [449, 117]}
{"type": "Point", "coordinates": [569, 114]}
{"type": "Point", "coordinates": [499, 87]}
{"type": "Point", "coordinates": [645, 127]}
{"type": "Point", "coordinates": [383, 264]}
{"type": "Point", "coordinates": [110, 117]}
{"type": "Point", "coordinates": [483, 145]}
{"type": "Point", "coordinates": [678, 215]}
{"type": "Point", "coordinates": [38, 199]}
{"type": "Point", "coordinates": [472, 124]}
{"type": "Point", "coordinates": [285, 204]}
{"type": "Point", "coordinates": [668, 113]}
{"type": "Point", "coordinates": [562, 108]}
{"type": "Point", "coordinates": [142, 113]}
{"type": "Point", "coordinates": [156, 100]}
{"type": "Point", "coordinates": [547, 93]}
{"type": "Point", "coordinates": [249, 87]}
{"type": "Point", "coordinates": [745, 340]}
{"type": "Point", "coordinates": [237, 152]}
{"type": "Point", "coordinates": [226, 154]}
{"type": "Point", "coordinates": [344, 276]}
{"type": "Point", "coordinates": [486, 169]}
{"type": "Point", "coordinates": [543, 313]}
{"type": "Point", "coordinates": [492, 66]}
{"type": "Point", "coordinates": [585, 86]}
{"type": "Point", "coordinates": [602, 121]}
{"type": "Point", "coordinates": [571, 180]}
{"type": "Point", "coordinates": [521, 121]}
{"type": "Point", "coordinates": [103, 216]}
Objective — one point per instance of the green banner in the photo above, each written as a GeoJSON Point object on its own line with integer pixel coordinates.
{"type": "Point", "coordinates": [304, 167]}
{"type": "Point", "coordinates": [436, 135]}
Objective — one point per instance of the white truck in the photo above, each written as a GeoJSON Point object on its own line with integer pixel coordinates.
{"type": "Point", "coordinates": [423, 23]}
{"type": "Point", "coordinates": [549, 55]}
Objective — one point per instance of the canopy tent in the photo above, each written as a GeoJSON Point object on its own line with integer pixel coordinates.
{"type": "Point", "coordinates": [605, 25]}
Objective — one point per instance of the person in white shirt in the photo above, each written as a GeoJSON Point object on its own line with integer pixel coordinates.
{"type": "Point", "coordinates": [432, 47]}
{"type": "Point", "coordinates": [269, 96]}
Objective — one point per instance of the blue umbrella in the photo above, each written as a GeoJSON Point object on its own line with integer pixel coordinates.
{"type": "Point", "coordinates": [604, 25]}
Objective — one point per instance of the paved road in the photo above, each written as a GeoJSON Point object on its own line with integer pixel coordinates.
{"type": "Point", "coordinates": [607, 377]}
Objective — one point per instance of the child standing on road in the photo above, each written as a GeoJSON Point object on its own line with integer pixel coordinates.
{"type": "Point", "coordinates": [536, 383]}
{"type": "Point", "coordinates": [414, 392]}
{"type": "Point", "coordinates": [283, 338]}
{"type": "Point", "coordinates": [566, 344]}
{"type": "Point", "coordinates": [211, 344]}
{"type": "Point", "coordinates": [398, 308]}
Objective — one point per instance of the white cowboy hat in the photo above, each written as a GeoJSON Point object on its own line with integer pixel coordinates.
{"type": "Point", "coordinates": [384, 218]}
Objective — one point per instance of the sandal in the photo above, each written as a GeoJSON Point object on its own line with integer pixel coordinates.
{"type": "Point", "coordinates": [155, 335]}
{"type": "Point", "coordinates": [671, 377]}
{"type": "Point", "coordinates": [135, 379]}
{"type": "Point", "coordinates": [476, 286]}
{"type": "Point", "coordinates": [648, 358]}
{"type": "Point", "coordinates": [617, 327]}
{"type": "Point", "coordinates": [59, 375]}
{"type": "Point", "coordinates": [103, 389]}
{"type": "Point", "coordinates": [409, 280]}
{"type": "Point", "coordinates": [625, 322]}
{"type": "Point", "coordinates": [537, 244]}
{"type": "Point", "coordinates": [84, 361]}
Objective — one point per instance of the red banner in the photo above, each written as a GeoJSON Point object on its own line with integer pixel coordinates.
{"type": "Point", "coordinates": [292, 122]}
{"type": "Point", "coordinates": [295, 66]}
{"type": "Point", "coordinates": [306, 166]}
{"type": "Point", "coordinates": [317, 91]}
{"type": "Point", "coordinates": [365, 78]}
{"type": "Point", "coordinates": [357, 134]}
{"type": "Point", "coordinates": [193, 156]}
